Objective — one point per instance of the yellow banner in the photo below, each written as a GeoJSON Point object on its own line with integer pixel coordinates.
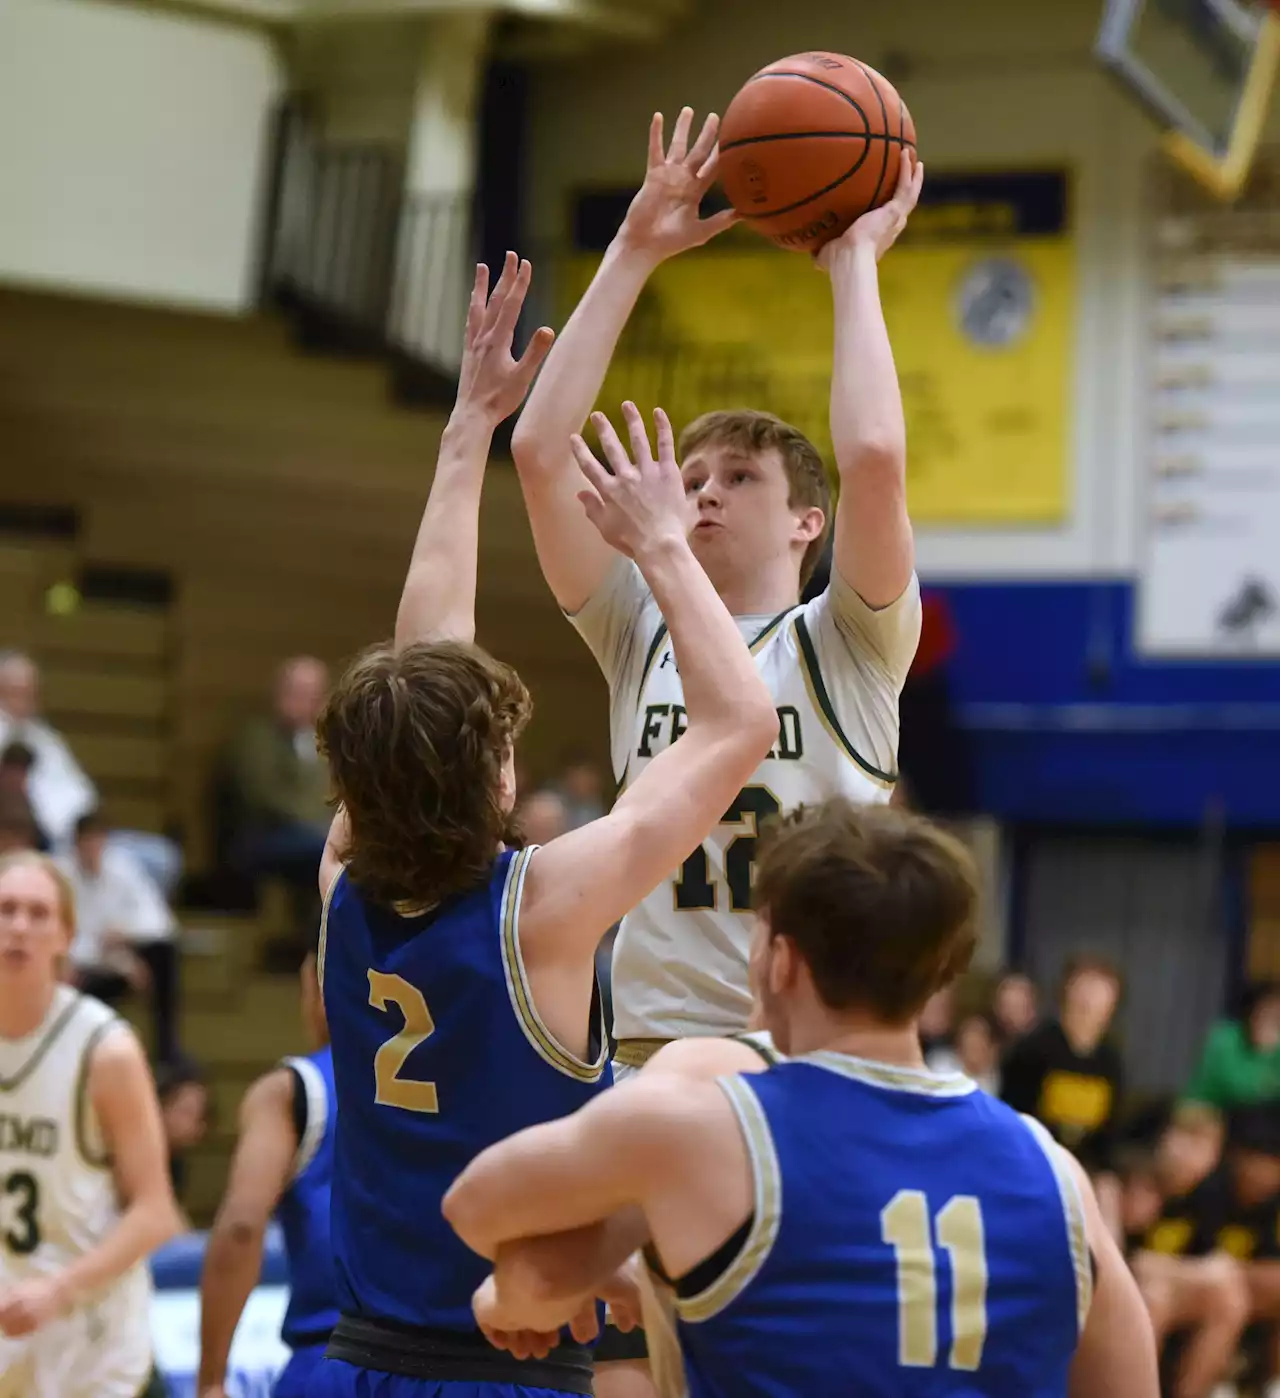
{"type": "Point", "coordinates": [980, 302]}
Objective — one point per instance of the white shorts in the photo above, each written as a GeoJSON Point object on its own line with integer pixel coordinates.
{"type": "Point", "coordinates": [621, 1072]}
{"type": "Point", "coordinates": [102, 1350]}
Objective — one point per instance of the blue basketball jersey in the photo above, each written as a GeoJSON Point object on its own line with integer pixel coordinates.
{"type": "Point", "coordinates": [912, 1238]}
{"type": "Point", "coordinates": [303, 1212]}
{"type": "Point", "coordinates": [438, 1053]}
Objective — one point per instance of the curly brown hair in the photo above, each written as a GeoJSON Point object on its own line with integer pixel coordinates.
{"type": "Point", "coordinates": [748, 430]}
{"type": "Point", "coordinates": [881, 904]}
{"type": "Point", "coordinates": [416, 740]}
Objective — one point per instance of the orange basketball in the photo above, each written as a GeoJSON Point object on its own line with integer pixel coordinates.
{"type": "Point", "coordinates": [809, 144]}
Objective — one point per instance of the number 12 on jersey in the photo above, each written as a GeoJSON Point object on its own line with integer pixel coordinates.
{"type": "Point", "coordinates": [905, 1226]}
{"type": "Point", "coordinates": [695, 889]}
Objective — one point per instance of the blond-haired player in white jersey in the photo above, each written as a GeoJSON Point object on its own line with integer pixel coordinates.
{"type": "Point", "coordinates": [85, 1194]}
{"type": "Point", "coordinates": [759, 508]}
{"type": "Point", "coordinates": [759, 516]}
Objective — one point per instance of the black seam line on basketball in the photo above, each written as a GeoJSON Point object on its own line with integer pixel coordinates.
{"type": "Point", "coordinates": [817, 194]}
{"type": "Point", "coordinates": [817, 135]}
{"type": "Point", "coordinates": [818, 82]}
{"type": "Point", "coordinates": [884, 114]}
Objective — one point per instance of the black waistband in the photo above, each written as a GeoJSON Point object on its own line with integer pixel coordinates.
{"type": "Point", "coordinates": [450, 1356]}
{"type": "Point", "coordinates": [306, 1339]}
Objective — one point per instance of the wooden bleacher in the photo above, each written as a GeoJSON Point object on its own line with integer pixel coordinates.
{"type": "Point", "coordinates": [279, 495]}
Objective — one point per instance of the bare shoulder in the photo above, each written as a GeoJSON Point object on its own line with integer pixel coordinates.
{"type": "Point", "coordinates": [118, 1056]}
{"type": "Point", "coordinates": [705, 1059]}
{"type": "Point", "coordinates": [272, 1093]}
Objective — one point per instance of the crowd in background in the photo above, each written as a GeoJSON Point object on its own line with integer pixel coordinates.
{"type": "Point", "coordinates": [1190, 1186]}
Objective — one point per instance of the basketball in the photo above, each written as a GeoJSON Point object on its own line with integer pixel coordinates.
{"type": "Point", "coordinates": [809, 144]}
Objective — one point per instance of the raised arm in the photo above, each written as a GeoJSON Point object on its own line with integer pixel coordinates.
{"type": "Point", "coordinates": [260, 1172]}
{"type": "Point", "coordinates": [439, 598]}
{"type": "Point", "coordinates": [662, 221]}
{"type": "Point", "coordinates": [873, 546]}
{"type": "Point", "coordinates": [582, 883]}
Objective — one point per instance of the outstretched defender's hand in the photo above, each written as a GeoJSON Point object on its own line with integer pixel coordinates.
{"type": "Point", "coordinates": [880, 228]}
{"type": "Point", "coordinates": [491, 380]}
{"type": "Point", "coordinates": [641, 505]}
{"type": "Point", "coordinates": [663, 218]}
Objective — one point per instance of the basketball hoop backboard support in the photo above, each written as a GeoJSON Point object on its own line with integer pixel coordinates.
{"type": "Point", "coordinates": [1220, 161]}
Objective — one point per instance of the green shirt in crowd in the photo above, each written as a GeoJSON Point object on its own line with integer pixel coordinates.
{"type": "Point", "coordinates": [1232, 1072]}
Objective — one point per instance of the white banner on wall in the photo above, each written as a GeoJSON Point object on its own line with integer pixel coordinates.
{"type": "Point", "coordinates": [1210, 579]}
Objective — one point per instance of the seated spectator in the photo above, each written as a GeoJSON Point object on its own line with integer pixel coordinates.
{"type": "Point", "coordinates": [184, 1110]}
{"type": "Point", "coordinates": [16, 762]}
{"type": "Point", "coordinates": [57, 787]}
{"type": "Point", "coordinates": [581, 788]}
{"type": "Point", "coordinates": [125, 931]}
{"type": "Point", "coordinates": [1014, 1007]}
{"type": "Point", "coordinates": [937, 1021]}
{"type": "Point", "coordinates": [1067, 1075]}
{"type": "Point", "coordinates": [541, 817]}
{"type": "Point", "coordinates": [1240, 1064]}
{"type": "Point", "coordinates": [280, 793]}
{"type": "Point", "coordinates": [1176, 1209]}
{"type": "Point", "coordinates": [974, 1051]}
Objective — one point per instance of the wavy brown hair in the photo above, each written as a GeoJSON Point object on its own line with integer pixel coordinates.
{"type": "Point", "coordinates": [416, 740]}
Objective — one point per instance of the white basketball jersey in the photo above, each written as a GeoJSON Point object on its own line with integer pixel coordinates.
{"type": "Point", "coordinates": [835, 669]}
{"type": "Point", "coordinates": [57, 1193]}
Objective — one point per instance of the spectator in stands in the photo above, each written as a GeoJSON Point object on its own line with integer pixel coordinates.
{"type": "Point", "coordinates": [937, 1021]}
{"type": "Point", "coordinates": [1014, 1007]}
{"type": "Point", "coordinates": [281, 786]}
{"type": "Point", "coordinates": [16, 762]}
{"type": "Point", "coordinates": [1068, 1076]}
{"type": "Point", "coordinates": [17, 832]}
{"type": "Point", "coordinates": [184, 1108]}
{"type": "Point", "coordinates": [280, 791]}
{"type": "Point", "coordinates": [1177, 1208]}
{"type": "Point", "coordinates": [975, 1051]}
{"type": "Point", "coordinates": [581, 788]}
{"type": "Point", "coordinates": [542, 817]}
{"type": "Point", "coordinates": [1240, 1064]}
{"type": "Point", "coordinates": [57, 786]}
{"type": "Point", "coordinates": [125, 931]}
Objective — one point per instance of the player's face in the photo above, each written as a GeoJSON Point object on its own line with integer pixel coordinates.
{"type": "Point", "coordinates": [739, 518]}
{"type": "Point", "coordinates": [33, 934]}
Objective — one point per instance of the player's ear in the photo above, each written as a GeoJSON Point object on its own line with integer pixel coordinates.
{"type": "Point", "coordinates": [810, 523]}
{"type": "Point", "coordinates": [784, 963]}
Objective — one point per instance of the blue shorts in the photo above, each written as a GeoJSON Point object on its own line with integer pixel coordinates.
{"type": "Point", "coordinates": [335, 1378]}
{"type": "Point", "coordinates": [296, 1374]}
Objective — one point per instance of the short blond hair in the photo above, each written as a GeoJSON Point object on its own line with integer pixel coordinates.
{"type": "Point", "coordinates": [66, 895]}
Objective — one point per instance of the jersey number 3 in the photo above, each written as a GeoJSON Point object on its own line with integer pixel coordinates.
{"type": "Point", "coordinates": [22, 1233]}
{"type": "Point", "coordinates": [904, 1225]}
{"type": "Point", "coordinates": [695, 889]}
{"type": "Point", "coordinates": [390, 1089]}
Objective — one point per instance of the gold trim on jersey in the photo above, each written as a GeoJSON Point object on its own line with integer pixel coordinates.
{"type": "Point", "coordinates": [530, 1021]}
{"type": "Point", "coordinates": [324, 926]}
{"type": "Point", "coordinates": [892, 1076]}
{"type": "Point", "coordinates": [635, 1053]}
{"type": "Point", "coordinates": [1073, 1214]}
{"type": "Point", "coordinates": [761, 1041]}
{"type": "Point", "coordinates": [46, 1043]}
{"type": "Point", "coordinates": [825, 710]}
{"type": "Point", "coordinates": [81, 1103]}
{"type": "Point", "coordinates": [766, 1176]}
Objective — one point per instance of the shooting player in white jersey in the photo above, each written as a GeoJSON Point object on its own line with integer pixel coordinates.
{"type": "Point", "coordinates": [85, 1195]}
{"type": "Point", "coordinates": [759, 512]}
